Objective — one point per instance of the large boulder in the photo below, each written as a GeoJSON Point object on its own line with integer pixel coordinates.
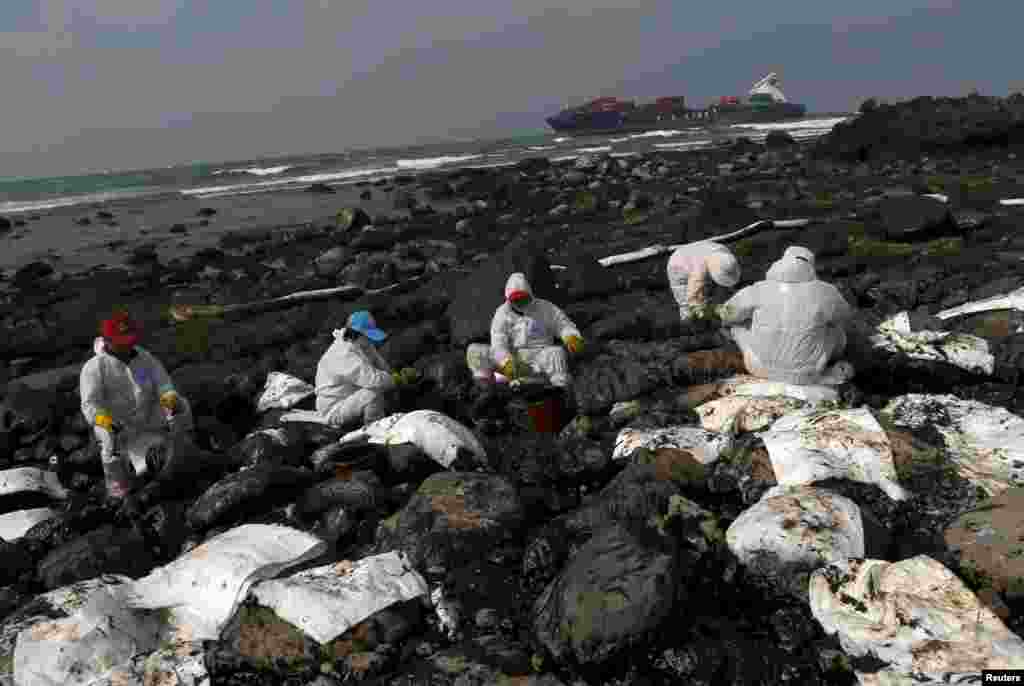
{"type": "Point", "coordinates": [615, 593]}
{"type": "Point", "coordinates": [622, 371]}
{"type": "Point", "coordinates": [584, 278]}
{"type": "Point", "coordinates": [483, 291]}
{"type": "Point", "coordinates": [255, 490]}
{"type": "Point", "coordinates": [454, 517]}
{"type": "Point", "coordinates": [926, 125]}
{"type": "Point", "coordinates": [106, 550]}
{"type": "Point", "coordinates": [403, 348]}
{"type": "Point", "coordinates": [916, 218]}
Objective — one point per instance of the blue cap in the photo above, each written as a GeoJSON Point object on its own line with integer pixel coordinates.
{"type": "Point", "coordinates": [362, 321]}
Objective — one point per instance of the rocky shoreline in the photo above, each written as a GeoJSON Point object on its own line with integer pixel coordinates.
{"type": "Point", "coordinates": [563, 559]}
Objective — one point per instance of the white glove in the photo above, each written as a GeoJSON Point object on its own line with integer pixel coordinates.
{"type": "Point", "coordinates": [106, 441]}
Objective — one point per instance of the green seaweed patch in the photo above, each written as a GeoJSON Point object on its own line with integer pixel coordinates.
{"type": "Point", "coordinates": [442, 486]}
{"type": "Point", "coordinates": [452, 664]}
{"type": "Point", "coordinates": [391, 523]}
{"type": "Point", "coordinates": [585, 201]}
{"type": "Point", "coordinates": [973, 577]}
{"type": "Point", "coordinates": [823, 201]}
{"type": "Point", "coordinates": [592, 607]}
{"type": "Point", "coordinates": [944, 247]}
{"type": "Point", "coordinates": [633, 216]}
{"type": "Point", "coordinates": [867, 247]}
{"type": "Point", "coordinates": [743, 248]}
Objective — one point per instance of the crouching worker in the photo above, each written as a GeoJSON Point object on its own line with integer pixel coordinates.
{"type": "Point", "coordinates": [790, 327]}
{"type": "Point", "coordinates": [688, 270]}
{"type": "Point", "coordinates": [354, 384]}
{"type": "Point", "coordinates": [523, 334]}
{"type": "Point", "coordinates": [139, 419]}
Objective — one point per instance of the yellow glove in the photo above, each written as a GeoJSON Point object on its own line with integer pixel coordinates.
{"type": "Point", "coordinates": [509, 368]}
{"type": "Point", "coordinates": [409, 375]}
{"type": "Point", "coordinates": [105, 421]}
{"type": "Point", "coordinates": [169, 401]}
{"type": "Point", "coordinates": [574, 344]}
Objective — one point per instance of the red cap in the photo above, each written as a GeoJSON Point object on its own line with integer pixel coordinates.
{"type": "Point", "coordinates": [121, 329]}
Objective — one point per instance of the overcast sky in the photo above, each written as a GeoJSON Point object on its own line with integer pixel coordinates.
{"type": "Point", "coordinates": [95, 84]}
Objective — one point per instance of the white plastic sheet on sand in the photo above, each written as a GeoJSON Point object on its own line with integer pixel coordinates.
{"type": "Point", "coordinates": [283, 391]}
{"type": "Point", "coordinates": [810, 446]}
{"type": "Point", "coordinates": [102, 642]}
{"type": "Point", "coordinates": [799, 526]}
{"type": "Point", "coordinates": [915, 615]}
{"type": "Point", "coordinates": [964, 351]}
{"type": "Point", "coordinates": [13, 525]}
{"type": "Point", "coordinates": [1011, 202]}
{"type": "Point", "coordinates": [706, 446]}
{"type": "Point", "coordinates": [325, 602]}
{"type": "Point", "coordinates": [986, 443]}
{"type": "Point", "coordinates": [439, 436]}
{"type": "Point", "coordinates": [31, 479]}
{"type": "Point", "coordinates": [206, 585]}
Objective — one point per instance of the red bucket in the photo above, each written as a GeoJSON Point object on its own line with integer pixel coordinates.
{"type": "Point", "coordinates": [545, 415]}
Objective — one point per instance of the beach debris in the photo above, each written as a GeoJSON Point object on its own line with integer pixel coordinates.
{"type": "Point", "coordinates": [964, 351]}
{"type": "Point", "coordinates": [439, 436]}
{"type": "Point", "coordinates": [655, 250]}
{"type": "Point", "coordinates": [283, 391]}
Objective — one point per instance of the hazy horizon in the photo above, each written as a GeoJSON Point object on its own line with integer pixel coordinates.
{"type": "Point", "coordinates": [112, 84]}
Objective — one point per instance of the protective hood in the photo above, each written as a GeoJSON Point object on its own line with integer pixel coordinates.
{"type": "Point", "coordinates": [796, 266]}
{"type": "Point", "coordinates": [517, 282]}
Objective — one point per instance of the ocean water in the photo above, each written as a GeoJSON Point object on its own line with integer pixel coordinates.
{"type": "Point", "coordinates": [209, 180]}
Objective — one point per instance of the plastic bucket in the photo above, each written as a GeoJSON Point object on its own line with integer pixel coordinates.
{"type": "Point", "coordinates": [545, 415]}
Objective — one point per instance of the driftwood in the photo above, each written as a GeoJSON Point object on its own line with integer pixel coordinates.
{"type": "Point", "coordinates": [182, 313]}
{"type": "Point", "coordinates": [1007, 301]}
{"type": "Point", "coordinates": [656, 250]}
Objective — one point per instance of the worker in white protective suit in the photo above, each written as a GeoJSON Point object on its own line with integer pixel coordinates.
{"type": "Point", "coordinates": [354, 384]}
{"type": "Point", "coordinates": [689, 269]}
{"type": "Point", "coordinates": [523, 332]}
{"type": "Point", "coordinates": [139, 419]}
{"type": "Point", "coordinates": [790, 327]}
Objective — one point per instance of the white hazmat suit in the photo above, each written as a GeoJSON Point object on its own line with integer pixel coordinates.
{"type": "Point", "coordinates": [130, 394]}
{"type": "Point", "coordinates": [796, 324]}
{"type": "Point", "coordinates": [688, 270]}
{"type": "Point", "coordinates": [529, 335]}
{"type": "Point", "coordinates": [353, 382]}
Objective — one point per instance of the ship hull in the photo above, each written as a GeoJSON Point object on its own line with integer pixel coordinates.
{"type": "Point", "coordinates": [617, 122]}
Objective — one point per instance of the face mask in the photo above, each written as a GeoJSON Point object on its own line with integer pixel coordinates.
{"type": "Point", "coordinates": [519, 305]}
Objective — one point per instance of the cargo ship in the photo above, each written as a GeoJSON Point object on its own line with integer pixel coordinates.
{"type": "Point", "coordinates": [764, 103]}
